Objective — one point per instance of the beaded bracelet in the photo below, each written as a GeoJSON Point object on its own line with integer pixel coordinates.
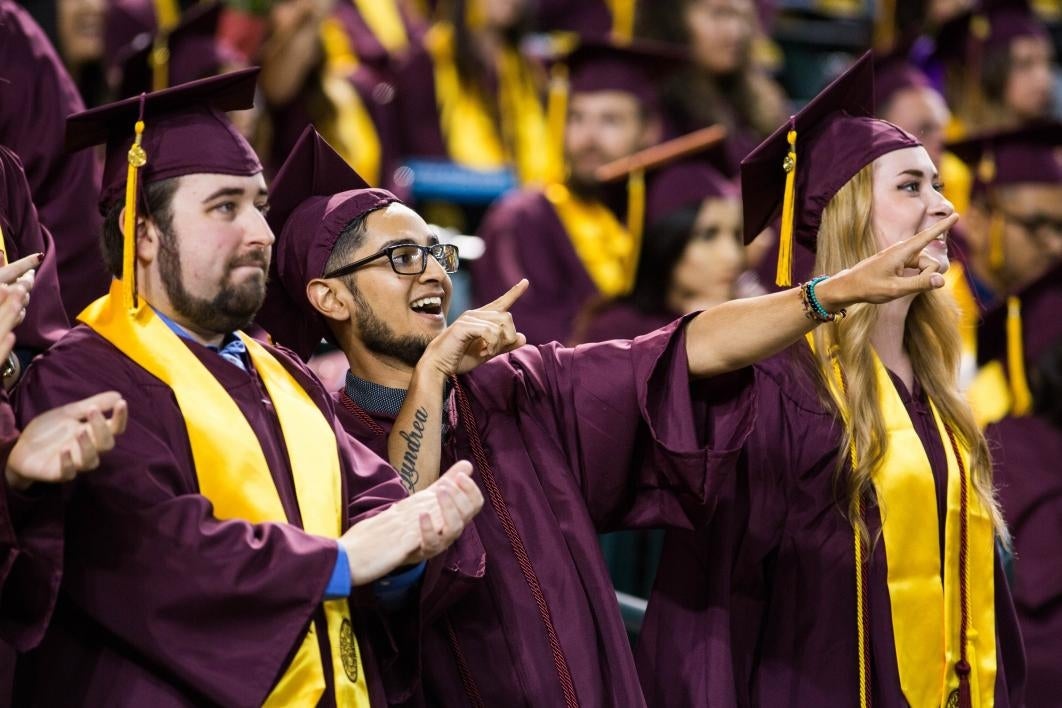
{"type": "Point", "coordinates": [813, 309]}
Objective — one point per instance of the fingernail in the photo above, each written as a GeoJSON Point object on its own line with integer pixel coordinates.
{"type": "Point", "coordinates": [937, 280]}
{"type": "Point", "coordinates": [40, 257]}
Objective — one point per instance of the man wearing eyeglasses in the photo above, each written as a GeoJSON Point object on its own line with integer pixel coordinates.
{"type": "Point", "coordinates": [566, 442]}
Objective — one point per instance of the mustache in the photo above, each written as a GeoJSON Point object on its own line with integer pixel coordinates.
{"type": "Point", "coordinates": [257, 257]}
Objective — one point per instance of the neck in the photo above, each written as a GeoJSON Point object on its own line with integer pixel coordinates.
{"type": "Point", "coordinates": [986, 276]}
{"type": "Point", "coordinates": [150, 289]}
{"type": "Point", "coordinates": [887, 338]}
{"type": "Point", "coordinates": [370, 366]}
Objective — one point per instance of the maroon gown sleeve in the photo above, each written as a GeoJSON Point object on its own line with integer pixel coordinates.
{"type": "Point", "coordinates": [647, 446]}
{"type": "Point", "coordinates": [216, 606]}
{"type": "Point", "coordinates": [45, 321]}
{"type": "Point", "coordinates": [36, 96]}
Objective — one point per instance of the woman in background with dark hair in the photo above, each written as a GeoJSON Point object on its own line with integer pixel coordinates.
{"type": "Point", "coordinates": [724, 84]}
{"type": "Point", "coordinates": [691, 256]}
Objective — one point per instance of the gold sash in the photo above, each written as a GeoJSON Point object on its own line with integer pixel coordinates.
{"type": "Point", "coordinates": [233, 472]}
{"type": "Point", "coordinates": [352, 130]}
{"type": "Point", "coordinates": [606, 248]}
{"type": "Point", "coordinates": [469, 131]}
{"type": "Point", "coordinates": [925, 616]}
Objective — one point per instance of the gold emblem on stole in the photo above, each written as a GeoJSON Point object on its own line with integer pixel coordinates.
{"type": "Point", "coordinates": [348, 651]}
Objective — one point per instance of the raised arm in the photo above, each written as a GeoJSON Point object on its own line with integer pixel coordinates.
{"type": "Point", "coordinates": [414, 446]}
{"type": "Point", "coordinates": [741, 332]}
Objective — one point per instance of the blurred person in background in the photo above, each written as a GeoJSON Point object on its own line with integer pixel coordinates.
{"type": "Point", "coordinates": [76, 29]}
{"type": "Point", "coordinates": [724, 84]}
{"type": "Point", "coordinates": [578, 239]}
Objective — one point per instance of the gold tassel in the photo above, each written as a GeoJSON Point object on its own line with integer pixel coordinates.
{"type": "Point", "coordinates": [167, 15]}
{"type": "Point", "coordinates": [1019, 385]}
{"type": "Point", "coordinates": [557, 114]}
{"type": "Point", "coordinates": [3, 249]}
{"type": "Point", "coordinates": [783, 276]}
{"type": "Point", "coordinates": [635, 221]}
{"type": "Point", "coordinates": [996, 228]}
{"type": "Point", "coordinates": [623, 12]}
{"type": "Point", "coordinates": [137, 159]}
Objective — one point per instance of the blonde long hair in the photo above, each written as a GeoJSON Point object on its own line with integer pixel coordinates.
{"type": "Point", "coordinates": [931, 338]}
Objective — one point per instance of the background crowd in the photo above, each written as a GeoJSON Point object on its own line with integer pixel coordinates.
{"type": "Point", "coordinates": [593, 147]}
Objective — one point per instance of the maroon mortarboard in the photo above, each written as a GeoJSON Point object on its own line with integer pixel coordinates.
{"type": "Point", "coordinates": [682, 185]}
{"type": "Point", "coordinates": [312, 199]}
{"type": "Point", "coordinates": [987, 29]}
{"type": "Point", "coordinates": [185, 132]}
{"type": "Point", "coordinates": [1023, 155]}
{"type": "Point", "coordinates": [895, 72]}
{"type": "Point", "coordinates": [125, 21]}
{"type": "Point", "coordinates": [635, 67]}
{"type": "Point", "coordinates": [803, 164]}
{"type": "Point", "coordinates": [190, 51]}
{"type": "Point", "coordinates": [1021, 329]}
{"type": "Point", "coordinates": [178, 131]}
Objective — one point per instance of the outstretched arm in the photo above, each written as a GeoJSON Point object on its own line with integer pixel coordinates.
{"type": "Point", "coordinates": [741, 332]}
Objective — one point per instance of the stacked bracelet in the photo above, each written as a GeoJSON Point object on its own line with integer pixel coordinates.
{"type": "Point", "coordinates": [813, 309]}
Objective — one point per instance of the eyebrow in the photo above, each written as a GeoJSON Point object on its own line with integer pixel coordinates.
{"type": "Point", "coordinates": [397, 242]}
{"type": "Point", "coordinates": [916, 173]}
{"type": "Point", "coordinates": [228, 192]}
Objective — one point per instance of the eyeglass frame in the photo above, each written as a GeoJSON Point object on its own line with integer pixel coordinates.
{"type": "Point", "coordinates": [425, 251]}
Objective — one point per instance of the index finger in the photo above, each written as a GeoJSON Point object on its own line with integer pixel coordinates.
{"type": "Point", "coordinates": [507, 300]}
{"type": "Point", "coordinates": [922, 239]}
{"type": "Point", "coordinates": [11, 272]}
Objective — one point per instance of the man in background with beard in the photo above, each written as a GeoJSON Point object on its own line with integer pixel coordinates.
{"type": "Point", "coordinates": [210, 558]}
{"type": "Point", "coordinates": [574, 240]}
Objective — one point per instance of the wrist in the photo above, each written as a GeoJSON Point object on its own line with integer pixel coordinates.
{"type": "Point", "coordinates": [833, 293]}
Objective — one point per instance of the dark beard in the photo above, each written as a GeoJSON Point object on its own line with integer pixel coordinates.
{"type": "Point", "coordinates": [233, 308]}
{"type": "Point", "coordinates": [379, 338]}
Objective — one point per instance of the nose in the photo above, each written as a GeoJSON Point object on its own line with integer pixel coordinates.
{"type": "Point", "coordinates": [941, 207]}
{"type": "Point", "coordinates": [257, 231]}
{"type": "Point", "coordinates": [433, 271]}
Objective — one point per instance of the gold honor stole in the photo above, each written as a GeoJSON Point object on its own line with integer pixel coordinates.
{"type": "Point", "coordinates": [233, 472]}
{"type": "Point", "coordinates": [351, 130]}
{"type": "Point", "coordinates": [469, 131]}
{"type": "Point", "coordinates": [925, 616]}
{"type": "Point", "coordinates": [605, 246]}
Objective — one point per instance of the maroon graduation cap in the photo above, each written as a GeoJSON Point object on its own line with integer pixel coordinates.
{"type": "Point", "coordinates": [894, 72]}
{"type": "Point", "coordinates": [312, 199]}
{"type": "Point", "coordinates": [635, 67]}
{"type": "Point", "coordinates": [802, 165]}
{"type": "Point", "coordinates": [178, 131]}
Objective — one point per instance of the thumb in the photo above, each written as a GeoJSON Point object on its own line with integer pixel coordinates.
{"type": "Point", "coordinates": [927, 279]}
{"type": "Point", "coordinates": [459, 467]}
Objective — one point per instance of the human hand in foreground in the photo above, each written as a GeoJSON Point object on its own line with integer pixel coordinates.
{"type": "Point", "coordinates": [16, 282]}
{"type": "Point", "coordinates": [476, 336]}
{"type": "Point", "coordinates": [60, 443]}
{"type": "Point", "coordinates": [904, 268]}
{"type": "Point", "coordinates": [414, 529]}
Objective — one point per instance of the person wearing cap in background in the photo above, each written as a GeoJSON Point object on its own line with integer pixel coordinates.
{"type": "Point", "coordinates": [566, 442]}
{"type": "Point", "coordinates": [850, 559]}
{"type": "Point", "coordinates": [1024, 428]}
{"type": "Point", "coordinates": [233, 496]}
{"type": "Point", "coordinates": [692, 254]}
{"type": "Point", "coordinates": [53, 446]}
{"type": "Point", "coordinates": [36, 95]}
{"type": "Point", "coordinates": [578, 239]}
{"type": "Point", "coordinates": [470, 94]}
{"type": "Point", "coordinates": [993, 64]}
{"type": "Point", "coordinates": [332, 63]}
{"type": "Point", "coordinates": [725, 82]}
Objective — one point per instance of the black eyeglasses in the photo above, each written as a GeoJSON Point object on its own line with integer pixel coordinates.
{"type": "Point", "coordinates": [407, 259]}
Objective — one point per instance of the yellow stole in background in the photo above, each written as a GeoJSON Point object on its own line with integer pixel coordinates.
{"type": "Point", "coordinates": [606, 247]}
{"type": "Point", "coordinates": [469, 131]}
{"type": "Point", "coordinates": [233, 472]}
{"type": "Point", "coordinates": [925, 615]}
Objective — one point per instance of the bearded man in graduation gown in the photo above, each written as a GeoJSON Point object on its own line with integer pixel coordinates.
{"type": "Point", "coordinates": [210, 559]}
{"type": "Point", "coordinates": [579, 239]}
{"type": "Point", "coordinates": [566, 442]}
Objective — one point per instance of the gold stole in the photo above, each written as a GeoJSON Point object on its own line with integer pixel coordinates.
{"type": "Point", "coordinates": [469, 131]}
{"type": "Point", "coordinates": [385, 22]}
{"type": "Point", "coordinates": [925, 616]}
{"type": "Point", "coordinates": [606, 248]}
{"type": "Point", "coordinates": [233, 473]}
{"type": "Point", "coordinates": [958, 181]}
{"type": "Point", "coordinates": [352, 130]}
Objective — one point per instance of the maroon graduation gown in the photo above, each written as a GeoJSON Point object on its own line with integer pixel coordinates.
{"type": "Point", "coordinates": [524, 238]}
{"type": "Point", "coordinates": [579, 441]}
{"type": "Point", "coordinates": [758, 608]}
{"type": "Point", "coordinates": [45, 321]}
{"type": "Point", "coordinates": [36, 96]}
{"type": "Point", "coordinates": [1026, 454]}
{"type": "Point", "coordinates": [162, 604]}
